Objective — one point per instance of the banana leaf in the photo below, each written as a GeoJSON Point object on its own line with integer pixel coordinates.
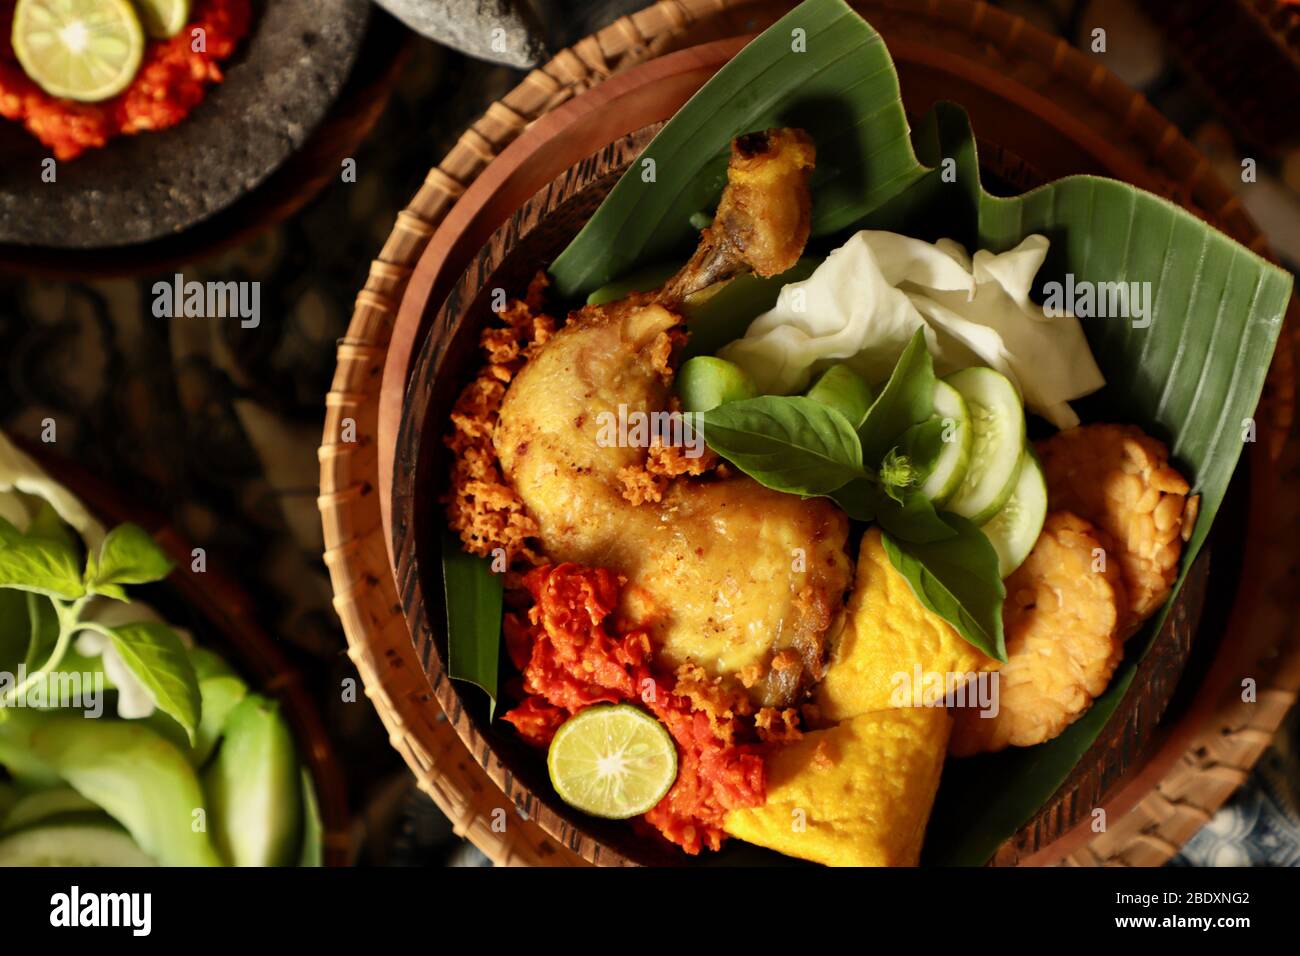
{"type": "Point", "coordinates": [473, 596]}
{"type": "Point", "coordinates": [820, 67]}
{"type": "Point", "coordinates": [1191, 376]}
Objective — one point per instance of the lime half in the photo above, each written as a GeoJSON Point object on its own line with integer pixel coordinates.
{"type": "Point", "coordinates": [86, 50]}
{"type": "Point", "coordinates": [612, 760]}
{"type": "Point", "coordinates": [163, 18]}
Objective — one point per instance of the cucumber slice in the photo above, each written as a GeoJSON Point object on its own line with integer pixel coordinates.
{"type": "Point", "coordinates": [844, 390]}
{"type": "Point", "coordinates": [83, 844]}
{"type": "Point", "coordinates": [997, 442]}
{"type": "Point", "coordinates": [950, 468]}
{"type": "Point", "coordinates": [705, 382]}
{"type": "Point", "coordinates": [1014, 530]}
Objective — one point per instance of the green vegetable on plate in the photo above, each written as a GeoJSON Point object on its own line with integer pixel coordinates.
{"type": "Point", "coordinates": [72, 844]}
{"type": "Point", "coordinates": [140, 779]}
{"type": "Point", "coordinates": [705, 382]}
{"type": "Point", "coordinates": [997, 443]}
{"type": "Point", "coordinates": [101, 790]}
{"type": "Point", "coordinates": [842, 389]}
{"type": "Point", "coordinates": [253, 786]}
{"type": "Point", "coordinates": [1015, 528]}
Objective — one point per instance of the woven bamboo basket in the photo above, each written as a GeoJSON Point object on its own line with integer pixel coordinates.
{"type": "Point", "coordinates": [1199, 762]}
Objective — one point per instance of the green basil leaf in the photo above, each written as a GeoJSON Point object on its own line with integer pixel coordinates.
{"type": "Point", "coordinates": [897, 476]}
{"type": "Point", "coordinates": [906, 400]}
{"type": "Point", "coordinates": [913, 519]}
{"type": "Point", "coordinates": [48, 524]}
{"type": "Point", "coordinates": [958, 580]}
{"type": "Point", "coordinates": [474, 596]}
{"type": "Point", "coordinates": [42, 565]}
{"type": "Point", "coordinates": [129, 555]}
{"type": "Point", "coordinates": [858, 499]}
{"type": "Point", "coordinates": [786, 443]}
{"type": "Point", "coordinates": [155, 655]}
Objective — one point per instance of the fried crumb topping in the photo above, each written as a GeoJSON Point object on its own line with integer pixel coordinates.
{"type": "Point", "coordinates": [481, 506]}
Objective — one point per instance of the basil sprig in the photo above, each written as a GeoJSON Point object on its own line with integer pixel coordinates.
{"type": "Point", "coordinates": [45, 562]}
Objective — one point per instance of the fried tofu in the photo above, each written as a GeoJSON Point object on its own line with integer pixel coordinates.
{"type": "Point", "coordinates": [857, 794]}
{"type": "Point", "coordinates": [889, 638]}
{"type": "Point", "coordinates": [1062, 615]}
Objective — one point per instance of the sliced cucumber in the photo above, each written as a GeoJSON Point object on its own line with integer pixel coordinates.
{"type": "Point", "coordinates": [841, 388]}
{"type": "Point", "coordinates": [1014, 530]}
{"type": "Point", "coordinates": [82, 844]}
{"type": "Point", "coordinates": [950, 468]}
{"type": "Point", "coordinates": [705, 382]}
{"type": "Point", "coordinates": [997, 442]}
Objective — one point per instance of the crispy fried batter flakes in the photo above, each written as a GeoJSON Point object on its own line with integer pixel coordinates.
{"type": "Point", "coordinates": [481, 507]}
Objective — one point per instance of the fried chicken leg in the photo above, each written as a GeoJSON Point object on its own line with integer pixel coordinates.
{"type": "Point", "coordinates": [742, 581]}
{"type": "Point", "coordinates": [763, 219]}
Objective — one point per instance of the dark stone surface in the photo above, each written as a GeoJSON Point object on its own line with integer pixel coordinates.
{"type": "Point", "coordinates": [500, 31]}
{"type": "Point", "coordinates": [278, 86]}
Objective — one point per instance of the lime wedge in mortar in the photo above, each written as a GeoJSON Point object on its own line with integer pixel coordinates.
{"type": "Point", "coordinates": [86, 50]}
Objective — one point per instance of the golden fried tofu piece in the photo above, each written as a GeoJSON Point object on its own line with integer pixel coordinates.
{"type": "Point", "coordinates": [889, 644]}
{"type": "Point", "coordinates": [858, 794]}
{"type": "Point", "coordinates": [1062, 616]}
{"type": "Point", "coordinates": [1120, 479]}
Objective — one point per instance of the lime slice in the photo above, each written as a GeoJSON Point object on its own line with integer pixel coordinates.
{"type": "Point", "coordinates": [86, 50]}
{"type": "Point", "coordinates": [163, 18]}
{"type": "Point", "coordinates": [613, 761]}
